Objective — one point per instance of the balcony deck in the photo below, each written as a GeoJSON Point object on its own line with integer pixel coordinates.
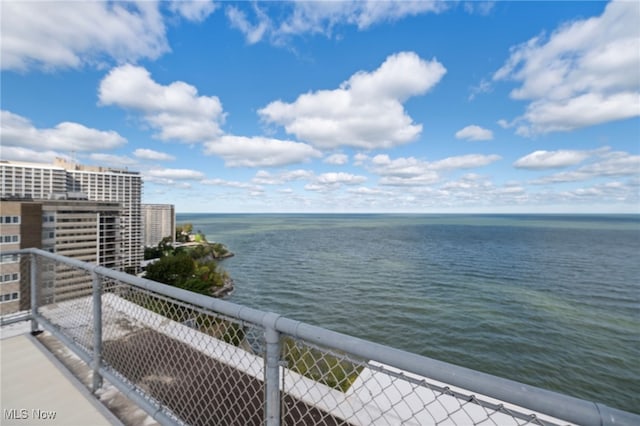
{"type": "Point", "coordinates": [37, 389]}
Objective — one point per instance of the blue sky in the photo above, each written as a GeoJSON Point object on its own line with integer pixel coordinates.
{"type": "Point", "coordinates": [367, 106]}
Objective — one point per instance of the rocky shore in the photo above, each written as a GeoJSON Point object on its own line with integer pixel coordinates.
{"type": "Point", "coordinates": [227, 288]}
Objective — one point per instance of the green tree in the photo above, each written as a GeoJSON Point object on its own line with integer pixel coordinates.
{"type": "Point", "coordinates": [172, 270]}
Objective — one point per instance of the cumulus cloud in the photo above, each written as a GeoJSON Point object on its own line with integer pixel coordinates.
{"type": "Point", "coordinates": [149, 154]}
{"type": "Point", "coordinates": [603, 164]}
{"type": "Point", "coordinates": [365, 112]}
{"type": "Point", "coordinates": [264, 177]}
{"type": "Point", "coordinates": [340, 178]}
{"type": "Point", "coordinates": [241, 151]}
{"type": "Point", "coordinates": [175, 174]}
{"type": "Point", "coordinates": [468, 161]}
{"type": "Point", "coordinates": [538, 160]}
{"type": "Point", "coordinates": [195, 11]}
{"type": "Point", "coordinates": [54, 35]}
{"type": "Point", "coordinates": [474, 133]}
{"type": "Point", "coordinates": [333, 181]}
{"type": "Point", "coordinates": [410, 171]}
{"type": "Point", "coordinates": [337, 159]}
{"type": "Point", "coordinates": [298, 18]}
{"type": "Point", "coordinates": [113, 160]}
{"type": "Point", "coordinates": [404, 171]}
{"type": "Point", "coordinates": [16, 153]}
{"type": "Point", "coordinates": [18, 131]}
{"type": "Point", "coordinates": [233, 184]}
{"type": "Point", "coordinates": [175, 110]}
{"type": "Point", "coordinates": [585, 73]}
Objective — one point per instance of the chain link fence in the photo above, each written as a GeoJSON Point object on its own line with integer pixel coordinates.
{"type": "Point", "coordinates": [191, 359]}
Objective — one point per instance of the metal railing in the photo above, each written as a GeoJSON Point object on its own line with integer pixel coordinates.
{"type": "Point", "coordinates": [190, 359]}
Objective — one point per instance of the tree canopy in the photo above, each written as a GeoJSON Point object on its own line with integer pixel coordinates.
{"type": "Point", "coordinates": [184, 271]}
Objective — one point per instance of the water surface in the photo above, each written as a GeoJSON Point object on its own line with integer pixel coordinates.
{"type": "Point", "coordinates": [549, 300]}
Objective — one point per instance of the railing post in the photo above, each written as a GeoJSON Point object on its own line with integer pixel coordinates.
{"type": "Point", "coordinates": [33, 287]}
{"type": "Point", "coordinates": [97, 330]}
{"type": "Point", "coordinates": [272, 376]}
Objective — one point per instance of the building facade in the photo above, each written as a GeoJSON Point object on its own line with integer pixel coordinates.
{"type": "Point", "coordinates": [25, 180]}
{"type": "Point", "coordinates": [80, 229]}
{"type": "Point", "coordinates": [20, 227]}
{"type": "Point", "coordinates": [159, 221]}
{"type": "Point", "coordinates": [41, 181]}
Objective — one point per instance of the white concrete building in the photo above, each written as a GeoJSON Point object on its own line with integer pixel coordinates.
{"type": "Point", "coordinates": [36, 181]}
{"type": "Point", "coordinates": [159, 221]}
{"type": "Point", "coordinates": [30, 180]}
{"type": "Point", "coordinates": [116, 185]}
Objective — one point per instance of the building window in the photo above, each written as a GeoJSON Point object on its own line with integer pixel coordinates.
{"type": "Point", "coordinates": [10, 220]}
{"type": "Point", "coordinates": [8, 297]}
{"type": "Point", "coordinates": [9, 258]}
{"type": "Point", "coordinates": [7, 278]}
{"type": "Point", "coordinates": [10, 239]}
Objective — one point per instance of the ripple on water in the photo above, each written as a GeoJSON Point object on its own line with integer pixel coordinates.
{"type": "Point", "coordinates": [549, 300]}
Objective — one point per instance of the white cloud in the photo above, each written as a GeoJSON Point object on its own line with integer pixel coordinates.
{"type": "Point", "coordinates": [176, 110]}
{"type": "Point", "coordinates": [585, 73]}
{"type": "Point", "coordinates": [233, 184]}
{"type": "Point", "coordinates": [339, 178]}
{"type": "Point", "coordinates": [580, 111]}
{"type": "Point", "coordinates": [363, 190]}
{"type": "Point", "coordinates": [337, 159]}
{"type": "Point", "coordinates": [72, 34]}
{"type": "Point", "coordinates": [16, 130]}
{"type": "Point", "coordinates": [551, 159]}
{"type": "Point", "coordinates": [263, 177]}
{"type": "Point", "coordinates": [504, 123]}
{"type": "Point", "coordinates": [474, 133]}
{"type": "Point", "coordinates": [118, 161]}
{"type": "Point", "coordinates": [149, 154]}
{"type": "Point", "coordinates": [175, 174]}
{"type": "Point", "coordinates": [253, 33]}
{"type": "Point", "coordinates": [322, 17]}
{"type": "Point", "coordinates": [365, 112]}
{"type": "Point", "coordinates": [410, 171]}
{"type": "Point", "coordinates": [482, 8]}
{"type": "Point", "coordinates": [16, 153]}
{"type": "Point", "coordinates": [468, 161]}
{"type": "Point", "coordinates": [240, 151]}
{"type": "Point", "coordinates": [483, 87]}
{"type": "Point", "coordinates": [54, 35]}
{"type": "Point", "coordinates": [603, 164]}
{"type": "Point", "coordinates": [195, 11]}
{"type": "Point", "coordinates": [403, 171]}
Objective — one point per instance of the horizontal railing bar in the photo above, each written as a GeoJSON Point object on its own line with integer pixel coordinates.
{"type": "Point", "coordinates": [551, 403]}
{"type": "Point", "coordinates": [12, 319]}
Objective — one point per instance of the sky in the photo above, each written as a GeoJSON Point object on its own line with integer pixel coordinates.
{"type": "Point", "coordinates": [329, 106]}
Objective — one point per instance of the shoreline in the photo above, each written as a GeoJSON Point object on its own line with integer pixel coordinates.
{"type": "Point", "coordinates": [226, 290]}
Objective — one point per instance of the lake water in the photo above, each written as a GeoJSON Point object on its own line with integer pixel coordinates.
{"type": "Point", "coordinates": [549, 300]}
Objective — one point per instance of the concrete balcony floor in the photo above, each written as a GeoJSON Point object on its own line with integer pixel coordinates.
{"type": "Point", "coordinates": [37, 388]}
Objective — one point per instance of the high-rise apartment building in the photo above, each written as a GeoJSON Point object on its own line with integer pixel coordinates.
{"type": "Point", "coordinates": [159, 221]}
{"type": "Point", "coordinates": [42, 181]}
{"type": "Point", "coordinates": [122, 186]}
{"type": "Point", "coordinates": [25, 180]}
{"type": "Point", "coordinates": [80, 229]}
